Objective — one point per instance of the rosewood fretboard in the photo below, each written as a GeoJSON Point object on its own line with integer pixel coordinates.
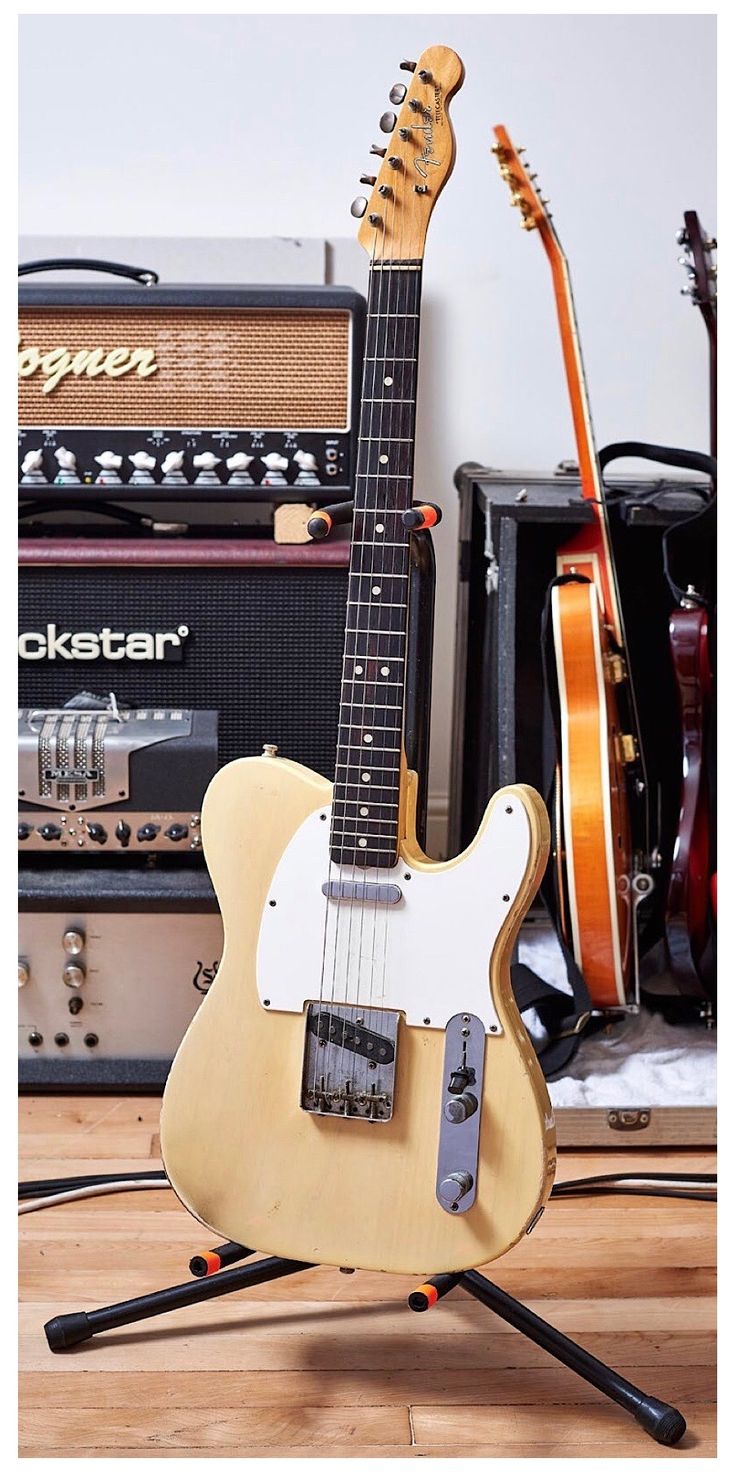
{"type": "Point", "coordinates": [366, 795]}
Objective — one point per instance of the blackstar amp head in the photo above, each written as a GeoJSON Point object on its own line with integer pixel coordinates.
{"type": "Point", "coordinates": [188, 392]}
{"type": "Point", "coordinates": [105, 779]}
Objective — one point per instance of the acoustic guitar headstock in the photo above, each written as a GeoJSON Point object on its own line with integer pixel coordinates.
{"type": "Point", "coordinates": [699, 264]}
{"type": "Point", "coordinates": [416, 161]}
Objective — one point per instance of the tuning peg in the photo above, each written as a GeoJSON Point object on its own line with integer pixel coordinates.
{"type": "Point", "coordinates": [421, 189]}
{"type": "Point", "coordinates": [394, 161]}
{"type": "Point", "coordinates": [515, 199]}
{"type": "Point", "coordinates": [424, 75]}
{"type": "Point", "coordinates": [405, 134]}
{"type": "Point", "coordinates": [407, 66]}
{"type": "Point", "coordinates": [387, 122]}
{"type": "Point", "coordinates": [397, 94]}
{"type": "Point", "coordinates": [498, 150]}
{"type": "Point", "coordinates": [379, 152]}
{"type": "Point", "coordinates": [415, 105]}
{"type": "Point", "coordinates": [358, 207]}
{"type": "Point", "coordinates": [681, 235]}
{"type": "Point", "coordinates": [385, 191]}
{"type": "Point", "coordinates": [368, 179]}
{"type": "Point", "coordinates": [375, 220]}
{"type": "Point", "coordinates": [710, 244]}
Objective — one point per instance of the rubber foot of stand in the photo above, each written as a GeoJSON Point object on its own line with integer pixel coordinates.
{"type": "Point", "coordinates": [66, 1330]}
{"type": "Point", "coordinates": [663, 1422]}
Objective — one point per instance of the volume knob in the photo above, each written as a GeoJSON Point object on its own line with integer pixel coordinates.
{"type": "Point", "coordinates": [454, 1187]}
{"type": "Point", "coordinates": [73, 942]}
{"type": "Point", "coordinates": [460, 1108]}
{"type": "Point", "coordinates": [74, 975]}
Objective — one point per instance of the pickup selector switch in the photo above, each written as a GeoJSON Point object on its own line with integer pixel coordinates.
{"type": "Point", "coordinates": [73, 941]}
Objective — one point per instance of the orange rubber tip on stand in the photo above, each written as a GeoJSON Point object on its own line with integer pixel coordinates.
{"type": "Point", "coordinates": [213, 1261]}
{"type": "Point", "coordinates": [423, 1297]}
{"type": "Point", "coordinates": [319, 525]}
{"type": "Point", "coordinates": [422, 518]}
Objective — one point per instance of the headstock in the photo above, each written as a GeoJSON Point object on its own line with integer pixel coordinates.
{"type": "Point", "coordinates": [415, 163]}
{"type": "Point", "coordinates": [526, 196]}
{"type": "Point", "coordinates": [699, 264]}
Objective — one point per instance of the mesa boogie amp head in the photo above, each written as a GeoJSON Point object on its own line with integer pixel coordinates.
{"type": "Point", "coordinates": [188, 393]}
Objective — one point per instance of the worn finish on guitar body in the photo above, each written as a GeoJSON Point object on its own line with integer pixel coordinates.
{"type": "Point", "coordinates": [688, 899]}
{"type": "Point", "coordinates": [254, 1166]}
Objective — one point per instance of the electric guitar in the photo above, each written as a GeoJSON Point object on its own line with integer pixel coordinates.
{"type": "Point", "coordinates": [357, 1087]}
{"type": "Point", "coordinates": [600, 777]}
{"type": "Point", "coordinates": [690, 897]}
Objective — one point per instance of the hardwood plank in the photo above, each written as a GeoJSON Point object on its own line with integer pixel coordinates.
{"type": "Point", "coordinates": [548, 1384]}
{"type": "Point", "coordinates": [552, 1432]}
{"type": "Point", "coordinates": [231, 1431]}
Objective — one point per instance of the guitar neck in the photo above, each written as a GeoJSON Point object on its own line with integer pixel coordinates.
{"type": "Point", "coordinates": [365, 812]}
{"type": "Point", "coordinates": [590, 475]}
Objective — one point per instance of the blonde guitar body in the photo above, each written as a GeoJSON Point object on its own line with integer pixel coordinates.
{"type": "Point", "coordinates": [244, 1156]}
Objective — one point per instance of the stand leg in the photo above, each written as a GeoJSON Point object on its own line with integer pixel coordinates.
{"type": "Point", "coordinates": [661, 1421]}
{"type": "Point", "coordinates": [69, 1329]}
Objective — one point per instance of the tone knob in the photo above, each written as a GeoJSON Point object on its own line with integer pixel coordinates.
{"type": "Point", "coordinates": [73, 942]}
{"type": "Point", "coordinates": [67, 463]}
{"type": "Point", "coordinates": [74, 975]}
{"type": "Point", "coordinates": [24, 973]}
{"type": "Point", "coordinates": [454, 1187]}
{"type": "Point", "coordinates": [147, 832]}
{"type": "Point", "coordinates": [49, 831]}
{"type": "Point", "coordinates": [460, 1108]}
{"type": "Point", "coordinates": [274, 461]}
{"type": "Point", "coordinates": [305, 460]}
{"type": "Point", "coordinates": [109, 464]}
{"type": "Point", "coordinates": [143, 466]}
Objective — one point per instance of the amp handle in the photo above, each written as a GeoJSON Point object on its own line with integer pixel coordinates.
{"type": "Point", "coordinates": [141, 274]}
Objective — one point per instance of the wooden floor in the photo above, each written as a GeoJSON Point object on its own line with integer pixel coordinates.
{"type": "Point", "coordinates": [324, 1364]}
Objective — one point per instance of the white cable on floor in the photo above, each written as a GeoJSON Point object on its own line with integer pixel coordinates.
{"type": "Point", "coordinates": [81, 1191]}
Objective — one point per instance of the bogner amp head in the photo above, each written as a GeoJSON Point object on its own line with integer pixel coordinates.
{"type": "Point", "coordinates": [113, 781]}
{"type": "Point", "coordinates": [188, 393]}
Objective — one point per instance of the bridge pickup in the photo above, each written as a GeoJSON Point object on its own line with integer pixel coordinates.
{"type": "Point", "coordinates": [345, 1033]}
{"type": "Point", "coordinates": [350, 889]}
{"type": "Point", "coordinates": [349, 1069]}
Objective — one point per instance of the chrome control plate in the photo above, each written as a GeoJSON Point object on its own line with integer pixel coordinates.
{"type": "Point", "coordinates": [460, 1113]}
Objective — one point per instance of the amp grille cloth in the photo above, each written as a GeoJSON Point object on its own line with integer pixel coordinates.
{"type": "Point", "coordinates": [227, 368]}
{"type": "Point", "coordinates": [264, 649]}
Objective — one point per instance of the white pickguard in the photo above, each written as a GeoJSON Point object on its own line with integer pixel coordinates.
{"type": "Point", "coordinates": [427, 956]}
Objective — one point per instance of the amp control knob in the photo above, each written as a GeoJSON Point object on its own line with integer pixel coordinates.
{"type": "Point", "coordinates": [24, 831]}
{"type": "Point", "coordinates": [74, 975]}
{"type": "Point", "coordinates": [122, 833]}
{"type": "Point", "coordinates": [49, 831]}
{"type": "Point", "coordinates": [177, 831]}
{"type": "Point", "coordinates": [305, 460]}
{"type": "Point", "coordinates": [274, 461]}
{"type": "Point", "coordinates": [147, 832]}
{"type": "Point", "coordinates": [454, 1187]}
{"type": "Point", "coordinates": [97, 833]}
{"type": "Point", "coordinates": [24, 972]}
{"type": "Point", "coordinates": [460, 1108]}
{"type": "Point", "coordinates": [73, 942]}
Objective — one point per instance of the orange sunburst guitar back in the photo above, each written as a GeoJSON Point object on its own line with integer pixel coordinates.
{"type": "Point", "coordinates": [599, 768]}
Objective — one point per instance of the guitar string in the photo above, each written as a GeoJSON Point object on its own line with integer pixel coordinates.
{"type": "Point", "coordinates": [400, 553]}
{"type": "Point", "coordinates": [336, 834]}
{"type": "Point", "coordinates": [371, 501]}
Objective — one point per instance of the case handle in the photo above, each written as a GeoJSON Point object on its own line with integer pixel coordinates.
{"type": "Point", "coordinates": [141, 274]}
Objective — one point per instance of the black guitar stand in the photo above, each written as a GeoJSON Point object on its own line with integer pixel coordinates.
{"type": "Point", "coordinates": [661, 1421]}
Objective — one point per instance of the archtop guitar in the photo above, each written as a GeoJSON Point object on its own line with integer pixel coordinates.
{"type": "Point", "coordinates": [357, 1087]}
{"type": "Point", "coordinates": [600, 777]}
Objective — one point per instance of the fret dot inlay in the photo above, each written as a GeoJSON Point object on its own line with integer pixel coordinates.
{"type": "Point", "coordinates": [385, 669]}
{"type": "Point", "coordinates": [368, 740]}
{"type": "Point", "coordinates": [380, 527]}
{"type": "Point", "coordinates": [364, 812]}
{"type": "Point", "coordinates": [383, 459]}
{"type": "Point", "coordinates": [358, 669]}
{"type": "Point", "coordinates": [388, 382]}
{"type": "Point", "coordinates": [365, 777]}
{"type": "Point", "coordinates": [375, 591]}
{"type": "Point", "coordinates": [362, 843]}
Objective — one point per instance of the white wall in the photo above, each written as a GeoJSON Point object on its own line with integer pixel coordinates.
{"type": "Point", "coordinates": [260, 125]}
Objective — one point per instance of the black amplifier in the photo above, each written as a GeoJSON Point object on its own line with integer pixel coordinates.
{"type": "Point", "coordinates": [95, 777]}
{"type": "Point", "coordinates": [187, 393]}
{"type": "Point", "coordinates": [251, 629]}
